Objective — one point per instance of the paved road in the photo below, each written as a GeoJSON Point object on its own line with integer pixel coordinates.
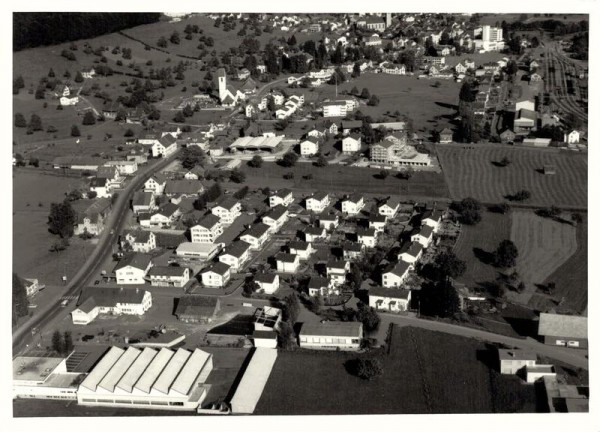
{"type": "Point", "coordinates": [568, 355]}
{"type": "Point", "coordinates": [118, 216]}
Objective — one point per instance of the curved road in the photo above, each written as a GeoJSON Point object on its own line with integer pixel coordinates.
{"type": "Point", "coordinates": [116, 220]}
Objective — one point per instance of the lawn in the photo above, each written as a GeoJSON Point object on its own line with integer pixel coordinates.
{"type": "Point", "coordinates": [32, 195]}
{"type": "Point", "coordinates": [415, 380]}
{"type": "Point", "coordinates": [475, 241]}
{"type": "Point", "coordinates": [471, 172]}
{"type": "Point", "coordinates": [346, 179]}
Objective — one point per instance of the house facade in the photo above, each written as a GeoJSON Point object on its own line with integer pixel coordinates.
{"type": "Point", "coordinates": [345, 336]}
{"type": "Point", "coordinates": [389, 300]}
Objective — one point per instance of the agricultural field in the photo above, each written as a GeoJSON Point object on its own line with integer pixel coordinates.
{"type": "Point", "coordinates": [472, 173]}
{"type": "Point", "coordinates": [476, 241]}
{"type": "Point", "coordinates": [32, 195]}
{"type": "Point", "coordinates": [415, 380]}
{"type": "Point", "coordinates": [345, 179]}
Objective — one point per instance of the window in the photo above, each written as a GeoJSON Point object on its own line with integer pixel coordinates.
{"type": "Point", "coordinates": [176, 403]}
{"type": "Point", "coordinates": [560, 342]}
{"type": "Point", "coordinates": [573, 343]}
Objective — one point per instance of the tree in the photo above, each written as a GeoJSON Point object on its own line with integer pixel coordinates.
{"type": "Point", "coordinates": [162, 42]}
{"type": "Point", "coordinates": [439, 299]}
{"type": "Point", "coordinates": [383, 174]}
{"type": "Point", "coordinates": [285, 335]}
{"type": "Point", "coordinates": [57, 342]}
{"type": "Point", "coordinates": [256, 161]}
{"type": "Point", "coordinates": [368, 368]}
{"type": "Point", "coordinates": [448, 265]}
{"type": "Point", "coordinates": [40, 93]}
{"type": "Point", "coordinates": [35, 123]}
{"type": "Point", "coordinates": [75, 131]}
{"type": "Point", "coordinates": [512, 68]}
{"type": "Point", "coordinates": [20, 303]}
{"type": "Point", "coordinates": [191, 156]}
{"type": "Point", "coordinates": [61, 219]}
{"type": "Point", "coordinates": [522, 195]}
{"type": "Point", "coordinates": [68, 342]}
{"type": "Point", "coordinates": [354, 91]}
{"type": "Point", "coordinates": [20, 121]}
{"type": "Point", "coordinates": [365, 93]}
{"type": "Point", "coordinates": [468, 210]}
{"type": "Point", "coordinates": [506, 254]}
{"type": "Point", "coordinates": [321, 161]}
{"type": "Point", "coordinates": [291, 308]}
{"type": "Point", "coordinates": [237, 176]}
{"type": "Point", "coordinates": [289, 159]}
{"type": "Point", "coordinates": [78, 77]}
{"type": "Point", "coordinates": [250, 287]}
{"type": "Point", "coordinates": [368, 316]}
{"type": "Point", "coordinates": [292, 41]}
{"type": "Point", "coordinates": [179, 117]}
{"type": "Point", "coordinates": [89, 119]}
{"type": "Point", "coordinates": [373, 101]}
{"type": "Point", "coordinates": [504, 162]}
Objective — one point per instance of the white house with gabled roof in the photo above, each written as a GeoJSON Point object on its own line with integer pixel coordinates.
{"type": "Point", "coordinates": [227, 209]}
{"type": "Point", "coordinates": [318, 202]}
{"type": "Point", "coordinates": [353, 204]}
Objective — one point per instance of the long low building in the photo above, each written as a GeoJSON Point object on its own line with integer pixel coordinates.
{"type": "Point", "coordinates": [43, 378]}
{"type": "Point", "coordinates": [148, 378]}
{"type": "Point", "coordinates": [253, 382]}
{"type": "Point", "coordinates": [333, 335]}
{"type": "Point", "coordinates": [256, 144]}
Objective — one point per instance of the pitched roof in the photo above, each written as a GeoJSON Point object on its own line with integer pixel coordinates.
{"type": "Point", "coordinates": [425, 231]}
{"type": "Point", "coordinates": [366, 232]}
{"type": "Point", "coordinates": [196, 305]}
{"type": "Point", "coordinates": [136, 260]}
{"type": "Point", "coordinates": [209, 221]}
{"type": "Point", "coordinates": [227, 202]}
{"type": "Point", "coordinates": [257, 230]}
{"type": "Point", "coordinates": [218, 267]}
{"type": "Point", "coordinates": [265, 277]}
{"type": "Point", "coordinates": [314, 230]}
{"type": "Point", "coordinates": [98, 182]}
{"type": "Point", "coordinates": [337, 264]}
{"type": "Point", "coordinates": [109, 297]}
{"type": "Point", "coordinates": [353, 247]}
{"type": "Point", "coordinates": [187, 187]}
{"type": "Point", "coordinates": [140, 236]}
{"type": "Point", "coordinates": [286, 257]}
{"type": "Point", "coordinates": [390, 292]}
{"type": "Point", "coordinates": [160, 178]}
{"type": "Point", "coordinates": [237, 249]}
{"type": "Point", "coordinates": [354, 198]}
{"type": "Point", "coordinates": [282, 193]}
{"type": "Point", "coordinates": [168, 209]}
{"type": "Point", "coordinates": [167, 140]}
{"type": "Point", "coordinates": [276, 212]}
{"type": "Point", "coordinates": [562, 325]}
{"type": "Point", "coordinates": [298, 245]}
{"type": "Point", "coordinates": [317, 282]}
{"type": "Point", "coordinates": [167, 271]}
{"type": "Point", "coordinates": [141, 198]}
{"type": "Point", "coordinates": [319, 196]}
{"type": "Point", "coordinates": [106, 172]}
{"type": "Point", "coordinates": [412, 248]}
{"type": "Point", "coordinates": [400, 268]}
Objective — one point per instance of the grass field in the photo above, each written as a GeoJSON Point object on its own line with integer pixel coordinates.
{"type": "Point", "coordinates": [543, 244]}
{"type": "Point", "coordinates": [345, 179]}
{"type": "Point", "coordinates": [415, 381]}
{"type": "Point", "coordinates": [486, 236]}
{"type": "Point", "coordinates": [31, 239]}
{"type": "Point", "coordinates": [472, 173]}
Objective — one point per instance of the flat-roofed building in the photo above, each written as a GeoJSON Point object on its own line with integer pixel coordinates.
{"type": "Point", "coordinates": [253, 382]}
{"type": "Point", "coordinates": [43, 378]}
{"type": "Point", "coordinates": [150, 379]}
{"type": "Point", "coordinates": [332, 335]}
{"type": "Point", "coordinates": [199, 251]}
{"type": "Point", "coordinates": [563, 330]}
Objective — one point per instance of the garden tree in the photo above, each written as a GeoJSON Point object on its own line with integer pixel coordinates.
{"type": "Point", "coordinates": [61, 219]}
{"type": "Point", "coordinates": [188, 111]}
{"type": "Point", "coordinates": [466, 97]}
{"type": "Point", "coordinates": [20, 160]}
{"type": "Point", "coordinates": [18, 83]}
{"type": "Point", "coordinates": [214, 192]}
{"type": "Point", "coordinates": [383, 174]}
{"type": "Point", "coordinates": [504, 161]}
{"type": "Point", "coordinates": [292, 41]}
{"type": "Point", "coordinates": [289, 159]}
{"type": "Point", "coordinates": [89, 118]}
{"type": "Point", "coordinates": [317, 304]}
{"type": "Point", "coordinates": [285, 335]}
{"type": "Point", "coordinates": [338, 55]}
{"type": "Point", "coordinates": [281, 124]}
{"type": "Point", "coordinates": [34, 162]}
{"type": "Point", "coordinates": [191, 156]}
{"type": "Point", "coordinates": [20, 121]}
{"type": "Point", "coordinates": [554, 132]}
{"type": "Point", "coordinates": [68, 342]}
{"type": "Point", "coordinates": [200, 202]}
{"type": "Point", "coordinates": [321, 161]}
{"type": "Point", "coordinates": [78, 77]}
{"type": "Point", "coordinates": [241, 194]}
{"type": "Point", "coordinates": [57, 342]}
{"type": "Point", "coordinates": [154, 114]}
{"type": "Point", "coordinates": [237, 176]}
{"type": "Point", "coordinates": [179, 117]}
{"type": "Point", "coordinates": [506, 254]}
{"type": "Point", "coordinates": [368, 368]}
{"type": "Point", "coordinates": [522, 195]}
{"type": "Point", "coordinates": [373, 101]}
{"type": "Point", "coordinates": [40, 93]}
{"type": "Point", "coordinates": [439, 299]}
{"type": "Point", "coordinates": [448, 265]}
{"type": "Point", "coordinates": [162, 42]}
{"type": "Point", "coordinates": [549, 212]}
{"type": "Point", "coordinates": [512, 68]}
{"type": "Point", "coordinates": [368, 316]}
{"type": "Point", "coordinates": [365, 93]}
{"type": "Point", "coordinates": [356, 71]}
{"type": "Point", "coordinates": [256, 161]}
{"type": "Point", "coordinates": [468, 210]}
{"type": "Point", "coordinates": [129, 133]}
{"type": "Point", "coordinates": [51, 73]}
{"type": "Point", "coordinates": [503, 208]}
{"type": "Point", "coordinates": [572, 121]}
{"type": "Point", "coordinates": [20, 304]}
{"type": "Point", "coordinates": [250, 287]}
{"type": "Point", "coordinates": [354, 91]}
{"type": "Point", "coordinates": [291, 308]}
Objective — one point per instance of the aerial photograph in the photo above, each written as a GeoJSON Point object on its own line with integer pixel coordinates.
{"type": "Point", "coordinates": [300, 214]}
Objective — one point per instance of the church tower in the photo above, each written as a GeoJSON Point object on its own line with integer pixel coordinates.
{"type": "Point", "coordinates": [222, 76]}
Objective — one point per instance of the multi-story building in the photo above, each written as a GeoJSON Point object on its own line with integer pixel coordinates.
{"type": "Point", "coordinates": [207, 230]}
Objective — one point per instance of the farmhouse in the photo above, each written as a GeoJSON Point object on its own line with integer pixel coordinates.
{"type": "Point", "coordinates": [563, 330]}
{"type": "Point", "coordinates": [132, 269]}
{"type": "Point", "coordinates": [91, 218]}
{"type": "Point", "coordinates": [395, 277]}
{"type": "Point", "coordinates": [169, 276]}
{"type": "Point", "coordinates": [183, 188]}
{"type": "Point", "coordinates": [156, 184]}
{"type": "Point", "coordinates": [148, 378]}
{"type": "Point", "coordinates": [197, 308]}
{"type": "Point", "coordinates": [164, 147]}
{"type": "Point", "coordinates": [235, 255]}
{"type": "Point", "coordinates": [287, 263]}
{"type": "Point", "coordinates": [445, 136]}
{"type": "Point", "coordinates": [216, 276]}
{"type": "Point", "coordinates": [332, 335]}
{"type": "Point", "coordinates": [115, 301]}
{"type": "Point", "coordinates": [389, 299]}
{"type": "Point", "coordinates": [139, 240]}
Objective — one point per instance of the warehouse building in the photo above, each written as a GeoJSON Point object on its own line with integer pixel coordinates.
{"type": "Point", "coordinates": [44, 378]}
{"type": "Point", "coordinates": [253, 382]}
{"type": "Point", "coordinates": [148, 378]}
{"type": "Point", "coordinates": [256, 144]}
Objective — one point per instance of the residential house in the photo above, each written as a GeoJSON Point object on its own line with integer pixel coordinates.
{"type": "Point", "coordinates": [207, 229]}
{"type": "Point", "coordinates": [572, 137]}
{"type": "Point", "coordinates": [393, 68]}
{"type": "Point", "coordinates": [276, 218]}
{"type": "Point", "coordinates": [282, 197]}
{"type": "Point", "coordinates": [303, 249]}
{"type": "Point", "coordinates": [337, 271]}
{"type": "Point", "coordinates": [351, 143]}
{"type": "Point", "coordinates": [100, 186]}
{"type": "Point", "coordinates": [389, 299]}
{"type": "Point", "coordinates": [256, 236]}
{"type": "Point", "coordinates": [197, 309]}
{"type": "Point", "coordinates": [124, 167]}
{"type": "Point", "coordinates": [132, 269]}
{"type": "Point", "coordinates": [352, 251]}
{"type": "Point", "coordinates": [177, 189]}
{"type": "Point", "coordinates": [312, 234]}
{"type": "Point", "coordinates": [318, 202]}
{"type": "Point", "coordinates": [268, 283]}
{"type": "Point", "coordinates": [410, 252]}
{"type": "Point", "coordinates": [563, 330]}
{"type": "Point", "coordinates": [156, 184]}
{"type": "Point", "coordinates": [139, 241]}
{"type": "Point", "coordinates": [353, 204]}
{"type": "Point", "coordinates": [446, 136]}
{"type": "Point", "coordinates": [287, 263]}
{"type": "Point", "coordinates": [424, 236]}
{"type": "Point", "coordinates": [236, 255]}
{"type": "Point", "coordinates": [329, 221]}
{"type": "Point", "coordinates": [169, 276]}
{"type": "Point", "coordinates": [164, 217]}
{"type": "Point", "coordinates": [390, 208]}
{"type": "Point", "coordinates": [377, 222]}
{"type": "Point", "coordinates": [432, 218]}
{"type": "Point", "coordinates": [320, 286]}
{"type": "Point", "coordinates": [331, 335]}
{"type": "Point", "coordinates": [91, 219]}
{"type": "Point", "coordinates": [396, 276]}
{"type": "Point", "coordinates": [367, 237]}
{"type": "Point", "coordinates": [195, 173]}
{"type": "Point", "coordinates": [514, 360]}
{"type": "Point", "coordinates": [216, 276]}
{"type": "Point", "coordinates": [309, 147]}
{"type": "Point", "coordinates": [114, 301]}
{"type": "Point", "coordinates": [227, 209]}
{"type": "Point", "coordinates": [351, 126]}
{"type": "Point", "coordinates": [164, 147]}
